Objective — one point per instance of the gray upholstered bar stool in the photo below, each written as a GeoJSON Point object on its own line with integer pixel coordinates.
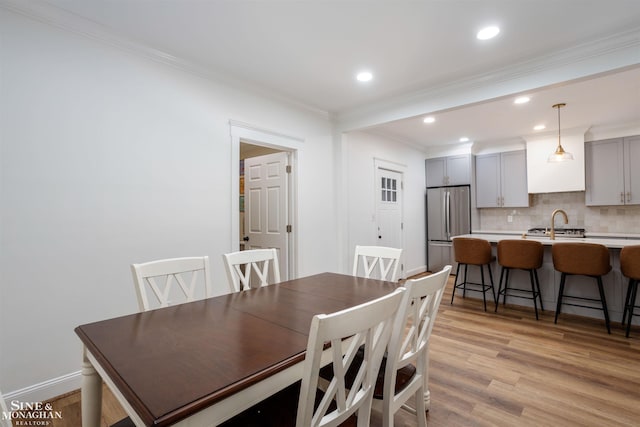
{"type": "Point", "coordinates": [521, 255]}
{"type": "Point", "coordinates": [471, 251]}
{"type": "Point", "coordinates": [585, 259]}
{"type": "Point", "coordinates": [630, 267]}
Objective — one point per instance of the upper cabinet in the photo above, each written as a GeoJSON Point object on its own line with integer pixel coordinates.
{"type": "Point", "coordinates": [611, 178]}
{"type": "Point", "coordinates": [452, 170]}
{"type": "Point", "coordinates": [501, 180]}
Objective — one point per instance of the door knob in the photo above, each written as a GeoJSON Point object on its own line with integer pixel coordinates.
{"type": "Point", "coordinates": [245, 238]}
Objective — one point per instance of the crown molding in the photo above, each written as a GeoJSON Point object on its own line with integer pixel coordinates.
{"type": "Point", "coordinates": [618, 51]}
{"type": "Point", "coordinates": [43, 12]}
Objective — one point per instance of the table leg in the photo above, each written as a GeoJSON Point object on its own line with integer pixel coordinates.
{"type": "Point", "coordinates": [91, 397]}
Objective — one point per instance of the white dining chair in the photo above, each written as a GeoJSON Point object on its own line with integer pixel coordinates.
{"type": "Point", "coordinates": [387, 260]}
{"type": "Point", "coordinates": [407, 351]}
{"type": "Point", "coordinates": [367, 325]}
{"type": "Point", "coordinates": [242, 265]}
{"type": "Point", "coordinates": [160, 276]}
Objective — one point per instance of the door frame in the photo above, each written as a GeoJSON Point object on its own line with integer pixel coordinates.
{"type": "Point", "coordinates": [243, 132]}
{"type": "Point", "coordinates": [402, 170]}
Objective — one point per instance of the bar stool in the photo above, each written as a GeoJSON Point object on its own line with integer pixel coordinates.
{"type": "Point", "coordinates": [630, 267]}
{"type": "Point", "coordinates": [471, 251]}
{"type": "Point", "coordinates": [585, 259]}
{"type": "Point", "coordinates": [522, 255]}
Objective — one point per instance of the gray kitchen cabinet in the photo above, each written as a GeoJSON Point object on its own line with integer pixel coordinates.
{"type": "Point", "coordinates": [450, 170]}
{"type": "Point", "coordinates": [612, 175]}
{"type": "Point", "coordinates": [501, 180]}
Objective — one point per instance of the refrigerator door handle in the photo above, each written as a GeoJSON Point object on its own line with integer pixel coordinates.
{"type": "Point", "coordinates": [447, 214]}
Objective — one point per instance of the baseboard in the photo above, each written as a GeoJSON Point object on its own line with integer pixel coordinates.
{"type": "Point", "coordinates": [414, 271]}
{"type": "Point", "coordinates": [46, 390]}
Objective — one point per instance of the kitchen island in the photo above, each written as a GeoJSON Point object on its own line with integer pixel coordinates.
{"type": "Point", "coordinates": [615, 284]}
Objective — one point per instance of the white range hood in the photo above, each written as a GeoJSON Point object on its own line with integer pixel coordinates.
{"type": "Point", "coordinates": [545, 177]}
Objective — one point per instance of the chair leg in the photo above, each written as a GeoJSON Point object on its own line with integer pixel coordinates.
{"type": "Point", "coordinates": [560, 293]}
{"type": "Point", "coordinates": [535, 275]}
{"type": "Point", "coordinates": [493, 289]}
{"type": "Point", "coordinates": [604, 303]}
{"type": "Point", "coordinates": [626, 301]}
{"type": "Point", "coordinates": [499, 288]}
{"type": "Point", "coordinates": [533, 293]}
{"type": "Point", "coordinates": [506, 288]}
{"type": "Point", "coordinates": [464, 285]}
{"type": "Point", "coordinates": [632, 303]}
{"type": "Point", "coordinates": [484, 291]}
{"type": "Point", "coordinates": [455, 281]}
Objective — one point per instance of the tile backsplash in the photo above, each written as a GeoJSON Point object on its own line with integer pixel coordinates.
{"type": "Point", "coordinates": [603, 219]}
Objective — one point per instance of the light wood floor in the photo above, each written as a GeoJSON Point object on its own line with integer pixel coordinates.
{"type": "Point", "coordinates": [507, 369]}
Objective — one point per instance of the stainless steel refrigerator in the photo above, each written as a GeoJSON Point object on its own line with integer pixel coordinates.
{"type": "Point", "coordinates": [448, 215]}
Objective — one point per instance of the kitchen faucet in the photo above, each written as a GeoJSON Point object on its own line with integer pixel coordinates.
{"type": "Point", "coordinates": [552, 233]}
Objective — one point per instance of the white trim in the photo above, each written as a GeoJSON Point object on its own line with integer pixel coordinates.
{"type": "Point", "coordinates": [240, 131]}
{"type": "Point", "coordinates": [594, 57]}
{"type": "Point", "coordinates": [47, 389]}
{"type": "Point", "coordinates": [51, 15]}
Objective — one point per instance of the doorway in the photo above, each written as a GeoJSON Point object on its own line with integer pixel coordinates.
{"type": "Point", "coordinates": [389, 206]}
{"type": "Point", "coordinates": [264, 201]}
{"type": "Point", "coordinates": [248, 142]}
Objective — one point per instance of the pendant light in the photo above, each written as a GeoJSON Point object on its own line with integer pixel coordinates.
{"type": "Point", "coordinates": [559, 155]}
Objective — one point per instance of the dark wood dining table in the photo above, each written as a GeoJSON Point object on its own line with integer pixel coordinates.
{"type": "Point", "coordinates": [203, 362]}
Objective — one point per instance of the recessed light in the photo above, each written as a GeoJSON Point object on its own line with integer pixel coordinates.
{"type": "Point", "coordinates": [464, 139]}
{"type": "Point", "coordinates": [429, 119]}
{"type": "Point", "coordinates": [522, 100]}
{"type": "Point", "coordinates": [488, 33]}
{"type": "Point", "coordinates": [364, 76]}
{"type": "Point", "coordinates": [539, 127]}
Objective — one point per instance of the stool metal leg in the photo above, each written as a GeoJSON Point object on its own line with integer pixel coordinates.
{"type": "Point", "coordinates": [484, 291]}
{"type": "Point", "coordinates": [455, 281]}
{"type": "Point", "coordinates": [626, 301]}
{"type": "Point", "coordinates": [560, 293]}
{"type": "Point", "coordinates": [499, 288]}
{"type": "Point", "coordinates": [604, 303]}
{"type": "Point", "coordinates": [632, 303]}
{"type": "Point", "coordinates": [506, 288]}
{"type": "Point", "coordinates": [464, 285]}
{"type": "Point", "coordinates": [533, 293]}
{"type": "Point", "coordinates": [535, 275]}
{"type": "Point", "coordinates": [493, 290]}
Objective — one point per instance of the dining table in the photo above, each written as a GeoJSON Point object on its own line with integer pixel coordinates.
{"type": "Point", "coordinates": [200, 363]}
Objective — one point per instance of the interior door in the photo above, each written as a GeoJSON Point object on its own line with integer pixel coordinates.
{"type": "Point", "coordinates": [389, 208]}
{"type": "Point", "coordinates": [266, 210]}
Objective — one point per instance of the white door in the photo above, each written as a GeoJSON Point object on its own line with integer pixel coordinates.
{"type": "Point", "coordinates": [266, 198]}
{"type": "Point", "coordinates": [389, 208]}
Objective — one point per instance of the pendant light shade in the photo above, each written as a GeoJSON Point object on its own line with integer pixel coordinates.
{"type": "Point", "coordinates": [559, 155]}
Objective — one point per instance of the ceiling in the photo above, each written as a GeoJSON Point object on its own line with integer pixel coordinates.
{"type": "Point", "coordinates": [308, 52]}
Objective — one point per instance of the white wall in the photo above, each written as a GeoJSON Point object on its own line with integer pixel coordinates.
{"type": "Point", "coordinates": [361, 149]}
{"type": "Point", "coordinates": [109, 158]}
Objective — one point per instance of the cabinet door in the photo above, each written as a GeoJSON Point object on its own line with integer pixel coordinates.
{"type": "Point", "coordinates": [435, 170]}
{"type": "Point", "coordinates": [458, 169]}
{"type": "Point", "coordinates": [513, 179]}
{"type": "Point", "coordinates": [632, 170]}
{"type": "Point", "coordinates": [488, 181]}
{"type": "Point", "coordinates": [604, 169]}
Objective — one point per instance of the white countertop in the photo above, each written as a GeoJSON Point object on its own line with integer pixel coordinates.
{"type": "Point", "coordinates": [610, 242]}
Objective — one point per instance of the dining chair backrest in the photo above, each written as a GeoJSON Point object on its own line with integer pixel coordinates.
{"type": "Point", "coordinates": [409, 342]}
{"type": "Point", "coordinates": [160, 276]}
{"type": "Point", "coordinates": [387, 260]}
{"type": "Point", "coordinates": [369, 325]}
{"type": "Point", "coordinates": [242, 266]}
